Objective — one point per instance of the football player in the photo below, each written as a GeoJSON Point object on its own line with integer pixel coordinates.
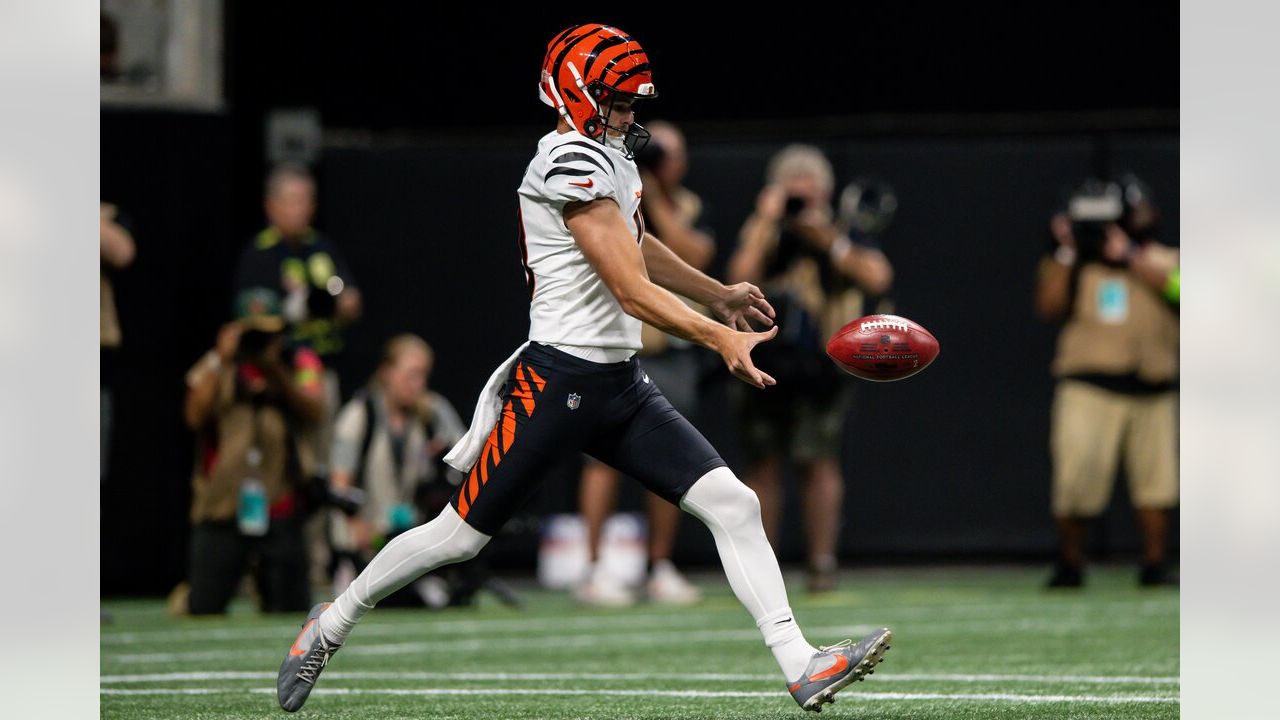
{"type": "Point", "coordinates": [594, 276]}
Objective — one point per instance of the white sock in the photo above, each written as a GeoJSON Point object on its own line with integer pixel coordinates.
{"type": "Point", "coordinates": [446, 539]}
{"type": "Point", "coordinates": [732, 512]}
{"type": "Point", "coordinates": [783, 636]}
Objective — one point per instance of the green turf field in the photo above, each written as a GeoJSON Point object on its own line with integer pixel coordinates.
{"type": "Point", "coordinates": [968, 643]}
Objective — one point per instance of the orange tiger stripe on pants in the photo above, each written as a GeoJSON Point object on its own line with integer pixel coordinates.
{"type": "Point", "coordinates": [501, 437]}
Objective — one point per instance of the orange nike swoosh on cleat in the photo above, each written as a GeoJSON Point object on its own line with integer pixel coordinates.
{"type": "Point", "coordinates": [586, 184]}
{"type": "Point", "coordinates": [296, 650]}
{"type": "Point", "coordinates": [794, 688]}
{"type": "Point", "coordinates": [842, 662]}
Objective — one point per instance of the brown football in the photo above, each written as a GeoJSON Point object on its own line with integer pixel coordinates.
{"type": "Point", "coordinates": [882, 348]}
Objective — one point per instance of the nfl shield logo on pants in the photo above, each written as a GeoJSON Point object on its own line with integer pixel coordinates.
{"type": "Point", "coordinates": [572, 402]}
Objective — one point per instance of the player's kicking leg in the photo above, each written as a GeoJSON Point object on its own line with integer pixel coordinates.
{"type": "Point", "coordinates": [446, 539]}
{"type": "Point", "coordinates": [531, 435]}
{"type": "Point", "coordinates": [659, 447]}
{"type": "Point", "coordinates": [814, 675]}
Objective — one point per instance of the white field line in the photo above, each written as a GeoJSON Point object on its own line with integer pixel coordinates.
{"type": "Point", "coordinates": [561, 641]}
{"type": "Point", "coordinates": [426, 627]}
{"type": "Point", "coordinates": [723, 677]}
{"type": "Point", "coordinates": [488, 692]}
{"type": "Point", "coordinates": [635, 619]}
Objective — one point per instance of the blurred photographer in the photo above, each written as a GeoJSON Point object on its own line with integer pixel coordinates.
{"type": "Point", "coordinates": [1114, 289]}
{"type": "Point", "coordinates": [388, 450]}
{"type": "Point", "coordinates": [247, 399]}
{"type": "Point", "coordinates": [817, 277]}
{"type": "Point", "coordinates": [673, 213]}
{"type": "Point", "coordinates": [318, 295]}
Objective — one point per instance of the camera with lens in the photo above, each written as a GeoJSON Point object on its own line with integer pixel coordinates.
{"type": "Point", "coordinates": [254, 343]}
{"type": "Point", "coordinates": [320, 494]}
{"type": "Point", "coordinates": [791, 210]}
{"type": "Point", "coordinates": [1094, 206]}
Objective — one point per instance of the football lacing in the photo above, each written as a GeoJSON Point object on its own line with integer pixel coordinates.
{"type": "Point", "coordinates": [885, 325]}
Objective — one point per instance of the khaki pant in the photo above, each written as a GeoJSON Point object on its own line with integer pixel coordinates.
{"type": "Point", "coordinates": [1090, 429]}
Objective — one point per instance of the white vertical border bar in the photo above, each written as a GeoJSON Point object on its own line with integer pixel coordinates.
{"type": "Point", "coordinates": [48, 358]}
{"type": "Point", "coordinates": [1230, 405]}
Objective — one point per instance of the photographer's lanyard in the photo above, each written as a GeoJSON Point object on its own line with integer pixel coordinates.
{"type": "Point", "coordinates": [398, 444]}
{"type": "Point", "coordinates": [401, 515]}
{"type": "Point", "coordinates": [252, 515]}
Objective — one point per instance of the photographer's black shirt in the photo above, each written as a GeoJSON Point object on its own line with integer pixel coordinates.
{"type": "Point", "coordinates": [307, 275]}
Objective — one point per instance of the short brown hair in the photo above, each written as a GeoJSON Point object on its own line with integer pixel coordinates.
{"type": "Point", "coordinates": [283, 172]}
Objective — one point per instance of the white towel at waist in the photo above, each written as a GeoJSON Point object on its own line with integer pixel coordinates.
{"type": "Point", "coordinates": [467, 450]}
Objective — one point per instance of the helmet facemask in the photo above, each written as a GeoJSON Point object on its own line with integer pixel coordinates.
{"type": "Point", "coordinates": [630, 141]}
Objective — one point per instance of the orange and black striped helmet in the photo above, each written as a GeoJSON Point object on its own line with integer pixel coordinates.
{"type": "Point", "coordinates": [586, 67]}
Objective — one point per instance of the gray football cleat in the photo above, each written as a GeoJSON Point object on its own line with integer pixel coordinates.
{"type": "Point", "coordinates": [307, 656]}
{"type": "Point", "coordinates": [835, 666]}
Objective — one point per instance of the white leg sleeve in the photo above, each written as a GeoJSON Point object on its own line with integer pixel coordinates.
{"type": "Point", "coordinates": [446, 539]}
{"type": "Point", "coordinates": [732, 512]}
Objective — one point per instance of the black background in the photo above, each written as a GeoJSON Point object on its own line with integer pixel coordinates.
{"type": "Point", "coordinates": [981, 119]}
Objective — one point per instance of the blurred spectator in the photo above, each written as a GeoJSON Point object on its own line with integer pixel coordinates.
{"type": "Point", "coordinates": [318, 292]}
{"type": "Point", "coordinates": [1114, 289]}
{"type": "Point", "coordinates": [816, 278]}
{"type": "Point", "coordinates": [246, 399]}
{"type": "Point", "coordinates": [116, 253]}
{"type": "Point", "coordinates": [319, 297]}
{"type": "Point", "coordinates": [389, 445]}
{"type": "Point", "coordinates": [671, 212]}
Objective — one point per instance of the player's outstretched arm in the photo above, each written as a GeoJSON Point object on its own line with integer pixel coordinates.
{"type": "Point", "coordinates": [598, 228]}
{"type": "Point", "coordinates": [734, 304]}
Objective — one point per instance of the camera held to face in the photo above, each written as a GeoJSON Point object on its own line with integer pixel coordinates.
{"type": "Point", "coordinates": [1096, 209]}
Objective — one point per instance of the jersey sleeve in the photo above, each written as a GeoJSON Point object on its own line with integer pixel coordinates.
{"type": "Point", "coordinates": [578, 171]}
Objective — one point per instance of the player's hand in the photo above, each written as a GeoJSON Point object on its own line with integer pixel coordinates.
{"type": "Point", "coordinates": [735, 348]}
{"type": "Point", "coordinates": [740, 303]}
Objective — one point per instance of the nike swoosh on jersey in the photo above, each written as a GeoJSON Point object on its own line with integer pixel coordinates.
{"type": "Point", "coordinates": [586, 184]}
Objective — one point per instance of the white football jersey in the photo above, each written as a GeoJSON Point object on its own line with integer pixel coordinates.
{"type": "Point", "coordinates": [569, 303]}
